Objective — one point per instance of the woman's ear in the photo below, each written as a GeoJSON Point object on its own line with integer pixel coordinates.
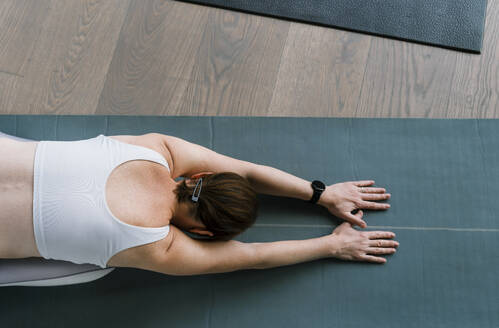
{"type": "Point", "coordinates": [200, 175]}
{"type": "Point", "coordinates": [203, 232]}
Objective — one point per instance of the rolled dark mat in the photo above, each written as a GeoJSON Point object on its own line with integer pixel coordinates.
{"type": "Point", "coordinates": [444, 182]}
{"type": "Point", "coordinates": [41, 272]}
{"type": "Point", "coordinates": [455, 24]}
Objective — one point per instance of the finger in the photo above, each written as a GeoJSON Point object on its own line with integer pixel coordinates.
{"type": "Point", "coordinates": [380, 250]}
{"type": "Point", "coordinates": [383, 243]}
{"type": "Point", "coordinates": [380, 234]}
{"type": "Point", "coordinates": [373, 206]}
{"type": "Point", "coordinates": [374, 190]}
{"type": "Point", "coordinates": [358, 213]}
{"type": "Point", "coordinates": [375, 197]}
{"type": "Point", "coordinates": [346, 224]}
{"type": "Point", "coordinates": [363, 183]}
{"type": "Point", "coordinates": [374, 259]}
{"type": "Point", "coordinates": [343, 226]}
{"type": "Point", "coordinates": [356, 219]}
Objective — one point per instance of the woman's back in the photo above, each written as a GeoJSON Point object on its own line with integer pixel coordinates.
{"type": "Point", "coordinates": [138, 193]}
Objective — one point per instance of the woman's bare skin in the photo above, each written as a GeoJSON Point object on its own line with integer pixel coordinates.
{"type": "Point", "coordinates": [16, 199]}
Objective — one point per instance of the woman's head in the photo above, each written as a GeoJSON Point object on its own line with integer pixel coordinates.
{"type": "Point", "coordinates": [227, 204]}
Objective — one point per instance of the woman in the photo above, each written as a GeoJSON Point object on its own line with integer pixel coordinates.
{"type": "Point", "coordinates": [114, 201]}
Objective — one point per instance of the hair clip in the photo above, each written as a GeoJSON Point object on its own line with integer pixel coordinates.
{"type": "Point", "coordinates": [194, 196]}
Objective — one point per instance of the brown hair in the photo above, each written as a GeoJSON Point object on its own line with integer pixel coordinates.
{"type": "Point", "coordinates": [227, 204]}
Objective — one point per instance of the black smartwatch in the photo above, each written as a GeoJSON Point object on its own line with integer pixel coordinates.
{"type": "Point", "coordinates": [318, 187]}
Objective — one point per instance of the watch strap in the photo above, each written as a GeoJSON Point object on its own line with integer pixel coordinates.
{"type": "Point", "coordinates": [317, 192]}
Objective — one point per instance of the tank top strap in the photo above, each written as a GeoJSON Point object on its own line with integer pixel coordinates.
{"type": "Point", "coordinates": [125, 152]}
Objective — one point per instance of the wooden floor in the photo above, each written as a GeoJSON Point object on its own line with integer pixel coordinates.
{"type": "Point", "coordinates": [132, 57]}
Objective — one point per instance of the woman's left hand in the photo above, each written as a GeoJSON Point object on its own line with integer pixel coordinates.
{"type": "Point", "coordinates": [347, 199]}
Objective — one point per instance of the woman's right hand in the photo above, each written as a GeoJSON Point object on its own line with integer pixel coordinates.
{"type": "Point", "coordinates": [353, 245]}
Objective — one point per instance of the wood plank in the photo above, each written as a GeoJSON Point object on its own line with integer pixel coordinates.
{"type": "Point", "coordinates": [475, 83]}
{"type": "Point", "coordinates": [321, 72]}
{"type": "Point", "coordinates": [7, 84]}
{"type": "Point", "coordinates": [20, 22]}
{"type": "Point", "coordinates": [406, 80]}
{"type": "Point", "coordinates": [224, 63]}
{"type": "Point", "coordinates": [153, 58]}
{"type": "Point", "coordinates": [66, 71]}
{"type": "Point", "coordinates": [236, 65]}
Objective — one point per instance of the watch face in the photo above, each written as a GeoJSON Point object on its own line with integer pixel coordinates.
{"type": "Point", "coordinates": [318, 185]}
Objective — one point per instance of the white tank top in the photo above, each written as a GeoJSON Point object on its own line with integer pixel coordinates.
{"type": "Point", "coordinates": [71, 218]}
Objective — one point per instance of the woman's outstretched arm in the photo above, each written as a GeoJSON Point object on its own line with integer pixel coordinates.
{"type": "Point", "coordinates": [340, 198]}
{"type": "Point", "coordinates": [187, 256]}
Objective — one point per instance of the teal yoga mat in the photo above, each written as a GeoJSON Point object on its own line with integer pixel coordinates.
{"type": "Point", "coordinates": [443, 178]}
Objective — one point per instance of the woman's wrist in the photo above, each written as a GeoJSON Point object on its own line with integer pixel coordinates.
{"type": "Point", "coordinates": [287, 252]}
{"type": "Point", "coordinates": [326, 198]}
{"type": "Point", "coordinates": [331, 245]}
{"type": "Point", "coordinates": [309, 194]}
